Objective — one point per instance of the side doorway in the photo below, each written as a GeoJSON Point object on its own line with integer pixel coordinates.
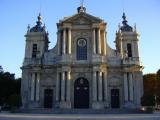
{"type": "Point", "coordinates": [48, 98]}
{"type": "Point", "coordinates": [115, 100]}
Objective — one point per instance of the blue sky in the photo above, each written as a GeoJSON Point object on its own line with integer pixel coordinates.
{"type": "Point", "coordinates": [17, 14]}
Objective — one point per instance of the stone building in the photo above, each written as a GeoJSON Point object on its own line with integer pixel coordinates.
{"type": "Point", "coordinates": [81, 71]}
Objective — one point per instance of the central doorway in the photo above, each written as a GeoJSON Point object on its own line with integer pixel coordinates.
{"type": "Point", "coordinates": [81, 93]}
{"type": "Point", "coordinates": [115, 98]}
{"type": "Point", "coordinates": [48, 98]}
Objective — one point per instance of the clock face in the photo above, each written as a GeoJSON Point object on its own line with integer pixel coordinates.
{"type": "Point", "coordinates": [82, 42]}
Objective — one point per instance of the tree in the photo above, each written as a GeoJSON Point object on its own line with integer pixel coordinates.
{"type": "Point", "coordinates": [149, 82]}
{"type": "Point", "coordinates": [8, 86]}
{"type": "Point", "coordinates": [1, 69]}
{"type": "Point", "coordinates": [158, 87]}
{"type": "Point", "coordinates": [148, 100]}
{"type": "Point", "coordinates": [14, 100]}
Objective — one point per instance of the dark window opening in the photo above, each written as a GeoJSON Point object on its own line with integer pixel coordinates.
{"type": "Point", "coordinates": [129, 49]}
{"type": "Point", "coordinates": [34, 51]}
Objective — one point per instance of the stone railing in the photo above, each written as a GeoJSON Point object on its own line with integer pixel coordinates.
{"type": "Point", "coordinates": [131, 60]}
{"type": "Point", "coordinates": [32, 61]}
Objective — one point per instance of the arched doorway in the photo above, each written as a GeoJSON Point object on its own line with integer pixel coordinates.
{"type": "Point", "coordinates": [81, 93]}
{"type": "Point", "coordinates": [48, 98]}
{"type": "Point", "coordinates": [115, 98]}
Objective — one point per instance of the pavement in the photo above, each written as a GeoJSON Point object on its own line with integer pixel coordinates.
{"type": "Point", "coordinates": [22, 116]}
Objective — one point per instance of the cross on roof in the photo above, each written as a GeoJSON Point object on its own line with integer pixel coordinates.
{"type": "Point", "coordinates": [82, 1]}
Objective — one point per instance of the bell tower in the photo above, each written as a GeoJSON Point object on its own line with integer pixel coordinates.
{"type": "Point", "coordinates": [127, 46]}
{"type": "Point", "coordinates": [127, 42]}
{"type": "Point", "coordinates": [36, 42]}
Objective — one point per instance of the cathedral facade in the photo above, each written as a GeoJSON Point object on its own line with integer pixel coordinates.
{"type": "Point", "coordinates": [81, 71]}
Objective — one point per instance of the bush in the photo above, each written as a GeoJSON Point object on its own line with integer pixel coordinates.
{"type": "Point", "coordinates": [148, 100]}
{"type": "Point", "coordinates": [14, 101]}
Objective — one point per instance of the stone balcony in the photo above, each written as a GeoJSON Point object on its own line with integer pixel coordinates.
{"type": "Point", "coordinates": [131, 61]}
{"type": "Point", "coordinates": [32, 61]}
{"type": "Point", "coordinates": [99, 59]}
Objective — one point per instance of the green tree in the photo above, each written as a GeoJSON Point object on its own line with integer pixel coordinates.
{"type": "Point", "coordinates": [148, 100]}
{"type": "Point", "coordinates": [158, 87]}
{"type": "Point", "coordinates": [8, 86]}
{"type": "Point", "coordinates": [14, 100]}
{"type": "Point", "coordinates": [149, 82]}
{"type": "Point", "coordinates": [1, 69]}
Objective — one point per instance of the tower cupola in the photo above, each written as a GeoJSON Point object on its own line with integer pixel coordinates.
{"type": "Point", "coordinates": [125, 27]}
{"type": "Point", "coordinates": [38, 27]}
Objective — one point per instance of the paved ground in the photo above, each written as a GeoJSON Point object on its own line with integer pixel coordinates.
{"type": "Point", "coordinates": [11, 116]}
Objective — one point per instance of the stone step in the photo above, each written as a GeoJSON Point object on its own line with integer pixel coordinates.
{"type": "Point", "coordinates": [79, 111]}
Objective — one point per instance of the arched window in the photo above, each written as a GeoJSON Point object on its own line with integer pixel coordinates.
{"type": "Point", "coordinates": [81, 49]}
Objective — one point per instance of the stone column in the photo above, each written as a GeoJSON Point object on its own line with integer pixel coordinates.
{"type": "Point", "coordinates": [104, 42]}
{"type": "Point", "coordinates": [99, 41]}
{"type": "Point", "coordinates": [94, 42]}
{"type": "Point", "coordinates": [94, 86]}
{"type": "Point", "coordinates": [136, 49]}
{"type": "Point", "coordinates": [37, 86]}
{"type": "Point", "coordinates": [125, 87]}
{"type": "Point", "coordinates": [69, 41]}
{"type": "Point", "coordinates": [58, 42]}
{"type": "Point", "coordinates": [57, 86]}
{"type": "Point", "coordinates": [64, 41]}
{"type": "Point", "coordinates": [100, 86]}
{"type": "Point", "coordinates": [63, 86]}
{"type": "Point", "coordinates": [32, 86]}
{"type": "Point", "coordinates": [105, 87]}
{"type": "Point", "coordinates": [68, 86]}
{"type": "Point", "coordinates": [131, 86]}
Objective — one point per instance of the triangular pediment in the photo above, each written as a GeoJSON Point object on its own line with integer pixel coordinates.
{"type": "Point", "coordinates": [82, 18]}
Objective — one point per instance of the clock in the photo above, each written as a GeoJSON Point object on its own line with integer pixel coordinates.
{"type": "Point", "coordinates": [82, 42]}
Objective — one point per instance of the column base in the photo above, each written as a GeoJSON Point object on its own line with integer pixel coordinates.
{"type": "Point", "coordinates": [98, 105]}
{"type": "Point", "coordinates": [129, 105]}
{"type": "Point", "coordinates": [33, 104]}
{"type": "Point", "coordinates": [97, 58]}
{"type": "Point", "coordinates": [106, 105]}
{"type": "Point", "coordinates": [65, 104]}
{"type": "Point", "coordinates": [66, 58]}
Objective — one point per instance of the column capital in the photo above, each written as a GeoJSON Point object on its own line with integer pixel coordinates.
{"type": "Point", "coordinates": [66, 69]}
{"type": "Point", "coordinates": [67, 25]}
{"type": "Point", "coordinates": [96, 68]}
{"type": "Point", "coordinates": [95, 25]}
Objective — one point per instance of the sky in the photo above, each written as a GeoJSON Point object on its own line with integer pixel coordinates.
{"type": "Point", "coordinates": [15, 15]}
